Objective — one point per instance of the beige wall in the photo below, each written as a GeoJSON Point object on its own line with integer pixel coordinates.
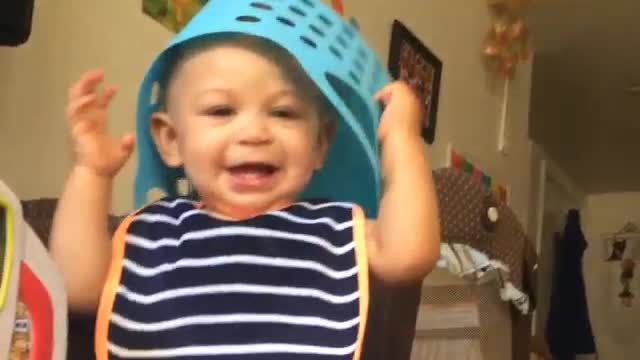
{"type": "Point", "coordinates": [75, 35]}
{"type": "Point", "coordinates": [615, 327]}
{"type": "Point", "coordinates": [471, 100]}
{"type": "Point", "coordinates": [68, 38]}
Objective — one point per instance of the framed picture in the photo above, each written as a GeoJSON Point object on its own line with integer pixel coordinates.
{"type": "Point", "coordinates": [411, 61]}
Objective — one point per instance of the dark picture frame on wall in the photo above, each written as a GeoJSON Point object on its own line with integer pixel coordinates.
{"type": "Point", "coordinates": [411, 61]}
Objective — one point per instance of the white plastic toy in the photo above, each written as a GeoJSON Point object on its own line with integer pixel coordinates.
{"type": "Point", "coordinates": [33, 307]}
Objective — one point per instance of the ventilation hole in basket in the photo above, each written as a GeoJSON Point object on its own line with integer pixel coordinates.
{"type": "Point", "coordinates": [262, 6]}
{"type": "Point", "coordinates": [362, 54]}
{"type": "Point", "coordinates": [247, 18]}
{"type": "Point", "coordinates": [354, 23]}
{"type": "Point", "coordinates": [349, 31]}
{"type": "Point", "coordinates": [309, 3]}
{"type": "Point", "coordinates": [286, 21]}
{"type": "Point", "coordinates": [308, 41]}
{"type": "Point", "coordinates": [296, 10]}
{"type": "Point", "coordinates": [354, 77]}
{"type": "Point", "coordinates": [373, 86]}
{"type": "Point", "coordinates": [342, 41]}
{"type": "Point", "coordinates": [356, 105]}
{"type": "Point", "coordinates": [183, 187]}
{"type": "Point", "coordinates": [155, 194]}
{"type": "Point", "coordinates": [325, 20]}
{"type": "Point", "coordinates": [358, 64]}
{"type": "Point", "coordinates": [154, 99]}
{"type": "Point", "coordinates": [335, 52]}
{"type": "Point", "coordinates": [316, 30]}
{"type": "Point", "coordinates": [378, 75]}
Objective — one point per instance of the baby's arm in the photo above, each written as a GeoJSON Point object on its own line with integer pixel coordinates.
{"type": "Point", "coordinates": [79, 240]}
{"type": "Point", "coordinates": [80, 243]}
{"type": "Point", "coordinates": [404, 242]}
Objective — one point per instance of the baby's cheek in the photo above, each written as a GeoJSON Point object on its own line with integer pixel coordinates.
{"type": "Point", "coordinates": [198, 166]}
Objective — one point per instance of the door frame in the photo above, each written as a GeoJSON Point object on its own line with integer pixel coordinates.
{"type": "Point", "coordinates": [548, 171]}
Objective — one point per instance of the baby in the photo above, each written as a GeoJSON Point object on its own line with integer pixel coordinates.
{"type": "Point", "coordinates": [248, 270]}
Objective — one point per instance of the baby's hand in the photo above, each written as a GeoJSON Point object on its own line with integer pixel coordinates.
{"type": "Point", "coordinates": [94, 148]}
{"type": "Point", "coordinates": [402, 116]}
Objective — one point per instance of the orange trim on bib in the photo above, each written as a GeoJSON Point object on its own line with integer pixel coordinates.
{"type": "Point", "coordinates": [359, 237]}
{"type": "Point", "coordinates": [110, 288]}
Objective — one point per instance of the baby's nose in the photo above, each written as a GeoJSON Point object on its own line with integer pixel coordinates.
{"type": "Point", "coordinates": [255, 132]}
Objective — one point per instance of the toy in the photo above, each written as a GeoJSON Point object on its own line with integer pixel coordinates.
{"type": "Point", "coordinates": [33, 307]}
{"type": "Point", "coordinates": [332, 53]}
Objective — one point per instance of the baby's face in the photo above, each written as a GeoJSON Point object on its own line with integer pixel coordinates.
{"type": "Point", "coordinates": [248, 141]}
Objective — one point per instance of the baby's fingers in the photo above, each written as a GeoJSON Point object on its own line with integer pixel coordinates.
{"type": "Point", "coordinates": [79, 105]}
{"type": "Point", "coordinates": [127, 143]}
{"type": "Point", "coordinates": [106, 96]}
{"type": "Point", "coordinates": [87, 84]}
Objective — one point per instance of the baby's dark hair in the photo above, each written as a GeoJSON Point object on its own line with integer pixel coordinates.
{"type": "Point", "coordinates": [288, 65]}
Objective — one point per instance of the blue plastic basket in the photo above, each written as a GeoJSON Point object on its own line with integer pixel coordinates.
{"type": "Point", "coordinates": [335, 57]}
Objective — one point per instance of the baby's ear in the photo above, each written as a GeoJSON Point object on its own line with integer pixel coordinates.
{"type": "Point", "coordinates": [165, 136]}
{"type": "Point", "coordinates": [327, 135]}
{"type": "Point", "coordinates": [329, 129]}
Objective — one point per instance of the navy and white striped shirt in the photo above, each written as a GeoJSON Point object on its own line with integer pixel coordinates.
{"type": "Point", "coordinates": [288, 284]}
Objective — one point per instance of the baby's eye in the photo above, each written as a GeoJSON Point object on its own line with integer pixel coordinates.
{"type": "Point", "coordinates": [220, 111]}
{"type": "Point", "coordinates": [285, 113]}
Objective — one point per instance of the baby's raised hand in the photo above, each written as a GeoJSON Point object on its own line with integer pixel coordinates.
{"type": "Point", "coordinates": [402, 116]}
{"type": "Point", "coordinates": [94, 148]}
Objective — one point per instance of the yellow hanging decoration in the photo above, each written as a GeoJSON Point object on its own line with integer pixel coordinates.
{"type": "Point", "coordinates": [507, 42]}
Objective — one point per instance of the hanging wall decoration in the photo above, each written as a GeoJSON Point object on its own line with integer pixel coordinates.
{"type": "Point", "coordinates": [175, 14]}
{"type": "Point", "coordinates": [172, 14]}
{"type": "Point", "coordinates": [622, 244]}
{"type": "Point", "coordinates": [618, 247]}
{"type": "Point", "coordinates": [507, 41]}
{"type": "Point", "coordinates": [338, 7]}
{"type": "Point", "coordinates": [622, 251]}
{"type": "Point", "coordinates": [411, 61]}
{"type": "Point", "coordinates": [459, 161]}
{"type": "Point", "coordinates": [626, 276]}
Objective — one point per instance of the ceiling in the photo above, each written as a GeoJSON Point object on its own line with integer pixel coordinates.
{"type": "Point", "coordinates": [587, 57]}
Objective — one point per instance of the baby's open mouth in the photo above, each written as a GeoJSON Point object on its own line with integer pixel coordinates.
{"type": "Point", "coordinates": [252, 175]}
{"type": "Point", "coordinates": [256, 168]}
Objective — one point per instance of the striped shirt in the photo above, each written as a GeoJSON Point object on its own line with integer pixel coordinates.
{"type": "Point", "coordinates": [288, 284]}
